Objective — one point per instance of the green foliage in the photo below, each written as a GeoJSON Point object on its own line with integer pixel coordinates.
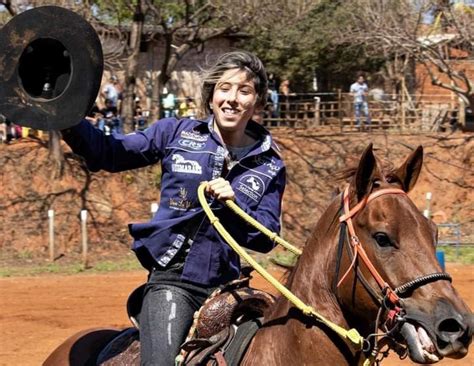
{"type": "Point", "coordinates": [113, 11]}
{"type": "Point", "coordinates": [299, 49]}
{"type": "Point", "coordinates": [463, 254]}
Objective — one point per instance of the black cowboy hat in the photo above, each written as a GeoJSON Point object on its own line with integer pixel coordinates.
{"type": "Point", "coordinates": [50, 68]}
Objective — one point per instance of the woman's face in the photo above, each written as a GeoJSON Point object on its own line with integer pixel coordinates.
{"type": "Point", "coordinates": [234, 101]}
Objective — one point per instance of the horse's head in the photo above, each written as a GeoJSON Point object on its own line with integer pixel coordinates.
{"type": "Point", "coordinates": [416, 303]}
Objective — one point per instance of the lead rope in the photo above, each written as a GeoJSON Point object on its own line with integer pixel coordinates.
{"type": "Point", "coordinates": [351, 336]}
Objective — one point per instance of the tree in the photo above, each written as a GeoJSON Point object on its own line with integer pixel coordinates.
{"type": "Point", "coordinates": [423, 31]}
{"type": "Point", "coordinates": [181, 26]}
{"type": "Point", "coordinates": [302, 44]}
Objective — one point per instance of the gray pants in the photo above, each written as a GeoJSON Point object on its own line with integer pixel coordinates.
{"type": "Point", "coordinates": [167, 314]}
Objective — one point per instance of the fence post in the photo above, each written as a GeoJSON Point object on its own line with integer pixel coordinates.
{"type": "Point", "coordinates": [457, 232]}
{"type": "Point", "coordinates": [153, 208]}
{"type": "Point", "coordinates": [84, 238]}
{"type": "Point", "coordinates": [402, 105]}
{"type": "Point", "coordinates": [51, 234]}
{"type": "Point", "coordinates": [428, 204]}
{"type": "Point", "coordinates": [317, 103]}
{"type": "Point", "coordinates": [339, 109]}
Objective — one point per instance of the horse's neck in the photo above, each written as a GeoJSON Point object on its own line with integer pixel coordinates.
{"type": "Point", "coordinates": [288, 336]}
{"type": "Point", "coordinates": [312, 278]}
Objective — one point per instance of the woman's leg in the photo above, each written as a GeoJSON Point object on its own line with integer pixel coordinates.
{"type": "Point", "coordinates": [166, 317]}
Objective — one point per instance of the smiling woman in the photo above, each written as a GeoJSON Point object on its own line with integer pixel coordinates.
{"type": "Point", "coordinates": [186, 258]}
{"type": "Point", "coordinates": [234, 102]}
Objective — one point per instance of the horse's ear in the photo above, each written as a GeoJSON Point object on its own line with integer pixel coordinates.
{"type": "Point", "coordinates": [407, 174]}
{"type": "Point", "coordinates": [367, 173]}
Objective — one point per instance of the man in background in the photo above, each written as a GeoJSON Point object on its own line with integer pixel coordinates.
{"type": "Point", "coordinates": [359, 90]}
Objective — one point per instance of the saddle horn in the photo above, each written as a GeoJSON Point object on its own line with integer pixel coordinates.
{"type": "Point", "coordinates": [50, 70]}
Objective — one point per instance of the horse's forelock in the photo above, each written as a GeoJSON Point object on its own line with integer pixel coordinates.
{"type": "Point", "coordinates": [386, 167]}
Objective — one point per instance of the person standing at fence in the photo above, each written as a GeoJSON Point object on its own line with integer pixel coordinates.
{"type": "Point", "coordinates": [360, 92]}
{"type": "Point", "coordinates": [169, 104]}
{"type": "Point", "coordinates": [110, 92]}
{"type": "Point", "coordinates": [186, 257]}
{"type": "Point", "coordinates": [285, 93]}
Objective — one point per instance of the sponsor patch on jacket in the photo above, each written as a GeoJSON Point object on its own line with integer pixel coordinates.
{"type": "Point", "coordinates": [194, 136]}
{"type": "Point", "coordinates": [181, 203]}
{"type": "Point", "coordinates": [270, 163]}
{"type": "Point", "coordinates": [181, 165]}
{"type": "Point", "coordinates": [252, 186]}
{"type": "Point", "coordinates": [191, 144]}
{"type": "Point", "coordinates": [172, 250]}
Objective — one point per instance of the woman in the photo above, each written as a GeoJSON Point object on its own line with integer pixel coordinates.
{"type": "Point", "coordinates": [186, 257]}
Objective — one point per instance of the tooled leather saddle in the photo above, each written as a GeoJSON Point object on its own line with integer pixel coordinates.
{"type": "Point", "coordinates": [222, 329]}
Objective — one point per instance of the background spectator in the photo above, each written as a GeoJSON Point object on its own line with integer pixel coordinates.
{"type": "Point", "coordinates": [169, 104]}
{"type": "Point", "coordinates": [111, 91]}
{"type": "Point", "coordinates": [111, 121]}
{"type": "Point", "coordinates": [360, 91]}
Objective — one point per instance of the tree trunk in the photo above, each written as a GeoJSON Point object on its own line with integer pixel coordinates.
{"type": "Point", "coordinates": [157, 90]}
{"type": "Point", "coordinates": [56, 153]}
{"type": "Point", "coordinates": [131, 70]}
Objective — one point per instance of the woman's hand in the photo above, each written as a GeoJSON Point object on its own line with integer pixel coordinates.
{"type": "Point", "coordinates": [220, 189]}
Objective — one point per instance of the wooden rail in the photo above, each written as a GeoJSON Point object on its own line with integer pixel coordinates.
{"type": "Point", "coordinates": [386, 115]}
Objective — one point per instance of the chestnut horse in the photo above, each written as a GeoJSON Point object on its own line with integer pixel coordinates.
{"type": "Point", "coordinates": [374, 270]}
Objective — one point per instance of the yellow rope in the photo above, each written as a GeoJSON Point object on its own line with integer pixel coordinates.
{"type": "Point", "coordinates": [273, 236]}
{"type": "Point", "coordinates": [351, 336]}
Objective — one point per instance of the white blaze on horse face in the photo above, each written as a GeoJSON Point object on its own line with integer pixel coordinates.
{"type": "Point", "coordinates": [172, 316]}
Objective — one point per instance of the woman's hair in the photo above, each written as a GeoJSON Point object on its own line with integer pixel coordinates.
{"type": "Point", "coordinates": [242, 60]}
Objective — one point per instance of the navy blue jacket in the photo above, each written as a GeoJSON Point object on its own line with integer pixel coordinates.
{"type": "Point", "coordinates": [191, 152]}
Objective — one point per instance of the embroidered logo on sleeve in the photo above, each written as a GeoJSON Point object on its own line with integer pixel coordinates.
{"type": "Point", "coordinates": [181, 203]}
{"type": "Point", "coordinates": [252, 186]}
{"type": "Point", "coordinates": [181, 165]}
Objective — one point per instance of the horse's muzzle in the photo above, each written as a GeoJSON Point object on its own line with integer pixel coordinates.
{"type": "Point", "coordinates": [443, 332]}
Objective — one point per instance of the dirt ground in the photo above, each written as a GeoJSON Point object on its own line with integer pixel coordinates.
{"type": "Point", "coordinates": [38, 313]}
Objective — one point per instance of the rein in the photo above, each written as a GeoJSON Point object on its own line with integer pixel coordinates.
{"type": "Point", "coordinates": [391, 297]}
{"type": "Point", "coordinates": [351, 337]}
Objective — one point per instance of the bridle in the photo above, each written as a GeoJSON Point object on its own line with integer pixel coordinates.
{"type": "Point", "coordinates": [387, 297]}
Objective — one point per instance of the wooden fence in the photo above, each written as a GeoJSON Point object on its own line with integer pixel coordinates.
{"type": "Point", "coordinates": [336, 111]}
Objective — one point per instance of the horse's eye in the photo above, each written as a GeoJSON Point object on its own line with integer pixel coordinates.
{"type": "Point", "coordinates": [383, 240]}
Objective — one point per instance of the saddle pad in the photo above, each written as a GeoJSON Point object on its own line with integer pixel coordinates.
{"type": "Point", "coordinates": [241, 340]}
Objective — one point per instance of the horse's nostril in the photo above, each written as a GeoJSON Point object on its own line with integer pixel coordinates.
{"type": "Point", "coordinates": [450, 325]}
{"type": "Point", "coordinates": [453, 337]}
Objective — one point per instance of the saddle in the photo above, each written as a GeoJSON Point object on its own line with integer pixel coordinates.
{"type": "Point", "coordinates": [221, 332]}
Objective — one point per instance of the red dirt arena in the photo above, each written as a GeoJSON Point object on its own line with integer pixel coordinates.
{"type": "Point", "coordinates": [38, 313]}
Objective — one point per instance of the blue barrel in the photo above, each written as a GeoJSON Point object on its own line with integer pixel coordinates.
{"type": "Point", "coordinates": [440, 257]}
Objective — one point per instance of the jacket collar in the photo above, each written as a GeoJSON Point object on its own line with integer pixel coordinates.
{"type": "Point", "coordinates": [253, 128]}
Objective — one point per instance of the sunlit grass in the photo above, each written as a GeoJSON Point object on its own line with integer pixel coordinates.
{"type": "Point", "coordinates": [126, 264]}
{"type": "Point", "coordinates": [463, 254]}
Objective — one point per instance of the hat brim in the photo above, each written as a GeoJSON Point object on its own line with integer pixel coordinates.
{"type": "Point", "coordinates": [76, 87]}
